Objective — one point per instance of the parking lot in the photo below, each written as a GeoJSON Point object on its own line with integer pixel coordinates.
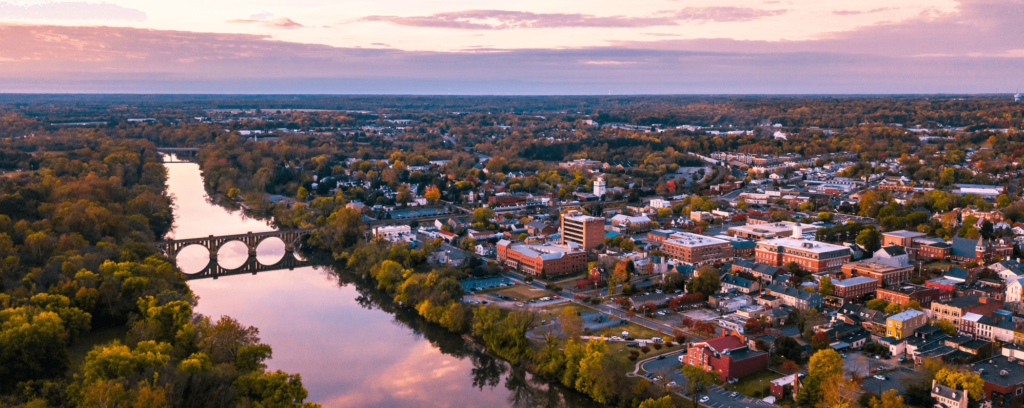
{"type": "Point", "coordinates": [718, 397]}
{"type": "Point", "coordinates": [486, 283]}
{"type": "Point", "coordinates": [894, 380]}
{"type": "Point", "coordinates": [701, 315]}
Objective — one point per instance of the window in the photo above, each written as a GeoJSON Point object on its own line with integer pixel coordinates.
{"type": "Point", "coordinates": [1020, 390]}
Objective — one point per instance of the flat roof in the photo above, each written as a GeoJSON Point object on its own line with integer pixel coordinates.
{"type": "Point", "coordinates": [693, 240]}
{"type": "Point", "coordinates": [815, 246]}
{"type": "Point", "coordinates": [855, 281]}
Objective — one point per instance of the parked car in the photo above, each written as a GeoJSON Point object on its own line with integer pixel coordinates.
{"type": "Point", "coordinates": [661, 357]}
{"type": "Point", "coordinates": [704, 399]}
{"type": "Point", "coordinates": [734, 394]}
{"type": "Point", "coordinates": [903, 358]}
{"type": "Point", "coordinates": [672, 384]}
{"type": "Point", "coordinates": [880, 377]}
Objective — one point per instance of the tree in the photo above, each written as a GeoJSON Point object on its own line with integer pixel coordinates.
{"type": "Point", "coordinates": [962, 380]}
{"type": "Point", "coordinates": [697, 381]}
{"type": "Point", "coordinates": [275, 389]}
{"type": "Point", "coordinates": [32, 346]}
{"type": "Point", "coordinates": [571, 323]}
{"type": "Point", "coordinates": [838, 392]}
{"type": "Point", "coordinates": [753, 326]}
{"type": "Point", "coordinates": [946, 326]}
{"type": "Point", "coordinates": [820, 341]}
{"type": "Point", "coordinates": [825, 364]}
{"type": "Point", "coordinates": [788, 348]}
{"type": "Point", "coordinates": [825, 286]}
{"type": "Point", "coordinates": [870, 239]}
{"type": "Point", "coordinates": [877, 304]}
{"type": "Point", "coordinates": [706, 282]}
{"type": "Point", "coordinates": [591, 367]}
{"type": "Point", "coordinates": [302, 193]}
{"type": "Point", "coordinates": [432, 194]}
{"type": "Point", "coordinates": [889, 399]}
{"type": "Point", "coordinates": [789, 366]}
{"type": "Point", "coordinates": [663, 402]}
{"type": "Point", "coordinates": [893, 308]}
{"type": "Point", "coordinates": [549, 360]}
{"type": "Point", "coordinates": [621, 272]}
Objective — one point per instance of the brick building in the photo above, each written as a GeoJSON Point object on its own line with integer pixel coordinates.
{"type": "Point", "coordinates": [956, 307]}
{"type": "Point", "coordinates": [543, 260]}
{"type": "Point", "coordinates": [1004, 380]}
{"type": "Point", "coordinates": [584, 230]}
{"type": "Point", "coordinates": [759, 270]}
{"type": "Point", "coordinates": [903, 294]}
{"type": "Point", "coordinates": [854, 288]}
{"type": "Point", "coordinates": [811, 256]}
{"type": "Point", "coordinates": [727, 356]}
{"type": "Point", "coordinates": [885, 273]}
{"type": "Point", "coordinates": [696, 249]}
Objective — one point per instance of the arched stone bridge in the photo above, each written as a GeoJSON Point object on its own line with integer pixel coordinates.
{"type": "Point", "coordinates": [213, 243]}
{"type": "Point", "coordinates": [251, 266]}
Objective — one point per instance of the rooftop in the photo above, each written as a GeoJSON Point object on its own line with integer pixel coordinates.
{"type": "Point", "coordinates": [860, 280]}
{"type": "Point", "coordinates": [805, 245]}
{"type": "Point", "coordinates": [905, 234]}
{"type": "Point", "coordinates": [693, 240]}
{"type": "Point", "coordinates": [1001, 370]}
{"type": "Point", "coordinates": [906, 315]}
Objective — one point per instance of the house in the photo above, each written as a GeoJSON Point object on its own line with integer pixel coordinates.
{"type": "Point", "coordinates": [797, 298]}
{"type": "Point", "coordinates": [957, 307]}
{"type": "Point", "coordinates": [759, 270]}
{"type": "Point", "coordinates": [903, 324]}
{"type": "Point", "coordinates": [541, 228]}
{"type": "Point", "coordinates": [735, 282]}
{"type": "Point", "coordinates": [727, 356]}
{"type": "Point", "coordinates": [632, 224]}
{"type": "Point", "coordinates": [946, 397]}
{"type": "Point", "coordinates": [854, 288]}
{"type": "Point", "coordinates": [907, 292]}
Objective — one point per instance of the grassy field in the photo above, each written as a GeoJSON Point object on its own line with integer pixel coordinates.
{"type": "Point", "coordinates": [523, 292]}
{"type": "Point", "coordinates": [751, 384]}
{"type": "Point", "coordinates": [619, 350]}
{"type": "Point", "coordinates": [941, 265]}
{"type": "Point", "coordinates": [635, 331]}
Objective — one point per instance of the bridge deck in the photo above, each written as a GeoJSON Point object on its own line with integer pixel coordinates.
{"type": "Point", "coordinates": [237, 236]}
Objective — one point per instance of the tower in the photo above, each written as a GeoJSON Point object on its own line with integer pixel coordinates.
{"type": "Point", "coordinates": [1016, 96]}
{"type": "Point", "coordinates": [599, 187]}
{"type": "Point", "coordinates": [798, 231]}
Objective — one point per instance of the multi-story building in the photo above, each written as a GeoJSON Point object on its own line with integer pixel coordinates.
{"type": "Point", "coordinates": [902, 325]}
{"type": "Point", "coordinates": [696, 249]}
{"type": "Point", "coordinates": [965, 250]}
{"type": "Point", "coordinates": [800, 299]}
{"type": "Point", "coordinates": [953, 310]}
{"type": "Point", "coordinates": [542, 260]}
{"type": "Point", "coordinates": [901, 238]}
{"type": "Point", "coordinates": [811, 256]}
{"type": "Point", "coordinates": [758, 231]}
{"type": "Point", "coordinates": [903, 294]}
{"type": "Point", "coordinates": [1004, 380]}
{"type": "Point", "coordinates": [891, 275]}
{"type": "Point", "coordinates": [727, 356]}
{"type": "Point", "coordinates": [854, 288]}
{"type": "Point", "coordinates": [582, 229]}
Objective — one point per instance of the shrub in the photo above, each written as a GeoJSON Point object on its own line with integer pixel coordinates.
{"type": "Point", "coordinates": [645, 349]}
{"type": "Point", "coordinates": [657, 346]}
{"type": "Point", "coordinates": [632, 357]}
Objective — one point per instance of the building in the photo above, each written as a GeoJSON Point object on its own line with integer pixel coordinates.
{"type": "Point", "coordinates": [811, 256]}
{"type": "Point", "coordinates": [965, 250]}
{"type": "Point", "coordinates": [696, 249]}
{"type": "Point", "coordinates": [956, 307]}
{"type": "Point", "coordinates": [392, 232]}
{"type": "Point", "coordinates": [1004, 380]}
{"type": "Point", "coordinates": [582, 229]}
{"type": "Point", "coordinates": [779, 229]}
{"type": "Point", "coordinates": [903, 294]}
{"type": "Point", "coordinates": [632, 224]}
{"type": "Point", "coordinates": [788, 385]}
{"type": "Point", "coordinates": [543, 260]}
{"type": "Point", "coordinates": [740, 284]}
{"type": "Point", "coordinates": [904, 324]}
{"type": "Point", "coordinates": [741, 248]}
{"type": "Point", "coordinates": [946, 397]}
{"type": "Point", "coordinates": [728, 356]}
{"type": "Point", "coordinates": [800, 299]}
{"type": "Point", "coordinates": [600, 187]}
{"type": "Point", "coordinates": [854, 288]}
{"type": "Point", "coordinates": [885, 273]}
{"type": "Point", "coordinates": [901, 238]}
{"type": "Point", "coordinates": [759, 270]}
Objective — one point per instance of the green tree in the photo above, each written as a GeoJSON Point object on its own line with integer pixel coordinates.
{"type": "Point", "coordinates": [588, 381]}
{"type": "Point", "coordinates": [276, 389]}
{"type": "Point", "coordinates": [697, 381]}
{"type": "Point", "coordinates": [549, 360]}
{"type": "Point", "coordinates": [877, 304]}
{"type": "Point", "coordinates": [663, 402]}
{"type": "Point", "coordinates": [824, 364]}
{"type": "Point", "coordinates": [116, 361]}
{"type": "Point", "coordinates": [825, 286]}
{"type": "Point", "coordinates": [302, 193]}
{"type": "Point", "coordinates": [707, 281]}
{"type": "Point", "coordinates": [962, 380]}
{"type": "Point", "coordinates": [32, 345]}
{"type": "Point", "coordinates": [870, 239]}
{"type": "Point", "coordinates": [889, 399]}
{"type": "Point", "coordinates": [946, 326]}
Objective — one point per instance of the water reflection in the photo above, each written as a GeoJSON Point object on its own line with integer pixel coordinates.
{"type": "Point", "coordinates": [352, 345]}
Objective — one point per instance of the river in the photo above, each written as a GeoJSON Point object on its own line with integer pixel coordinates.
{"type": "Point", "coordinates": [351, 345]}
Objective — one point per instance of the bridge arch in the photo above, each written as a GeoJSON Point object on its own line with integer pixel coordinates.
{"type": "Point", "coordinates": [252, 241]}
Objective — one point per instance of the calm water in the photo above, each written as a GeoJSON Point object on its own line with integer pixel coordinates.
{"type": "Point", "coordinates": [351, 345]}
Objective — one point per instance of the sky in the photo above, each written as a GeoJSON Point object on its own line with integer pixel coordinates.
{"type": "Point", "coordinates": [513, 47]}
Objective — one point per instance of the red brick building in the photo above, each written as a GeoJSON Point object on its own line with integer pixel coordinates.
{"type": "Point", "coordinates": [889, 274]}
{"type": "Point", "coordinates": [811, 256]}
{"type": "Point", "coordinates": [854, 288]}
{"type": "Point", "coordinates": [696, 249]}
{"type": "Point", "coordinates": [727, 356]}
{"type": "Point", "coordinates": [903, 294]}
{"type": "Point", "coordinates": [1004, 380]}
{"type": "Point", "coordinates": [544, 260]}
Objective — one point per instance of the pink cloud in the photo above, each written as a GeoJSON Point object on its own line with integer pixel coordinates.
{"type": "Point", "coordinates": [283, 23]}
{"type": "Point", "coordinates": [858, 12]}
{"type": "Point", "coordinates": [72, 10]}
{"type": "Point", "coordinates": [509, 20]}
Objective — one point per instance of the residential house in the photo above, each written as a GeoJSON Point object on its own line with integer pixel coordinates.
{"type": "Point", "coordinates": [903, 324]}
{"type": "Point", "coordinates": [727, 356]}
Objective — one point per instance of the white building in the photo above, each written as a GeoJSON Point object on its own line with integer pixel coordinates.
{"type": "Point", "coordinates": [392, 232]}
{"type": "Point", "coordinates": [600, 188]}
{"type": "Point", "coordinates": [1013, 290]}
{"type": "Point", "coordinates": [658, 203]}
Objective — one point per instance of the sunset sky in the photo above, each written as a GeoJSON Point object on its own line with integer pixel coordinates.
{"type": "Point", "coordinates": [512, 47]}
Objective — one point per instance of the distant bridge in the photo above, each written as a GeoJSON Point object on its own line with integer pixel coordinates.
{"type": "Point", "coordinates": [213, 243]}
{"type": "Point", "coordinates": [184, 153]}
